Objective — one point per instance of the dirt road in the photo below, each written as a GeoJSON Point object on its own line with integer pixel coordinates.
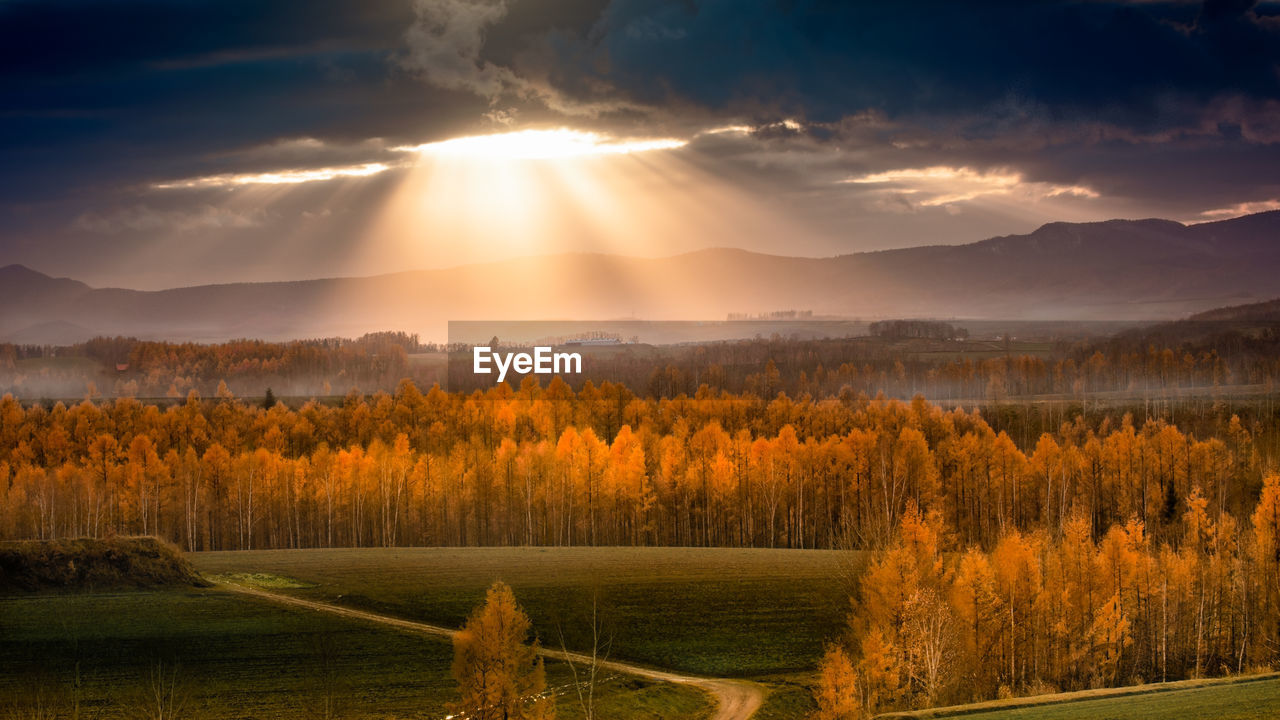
{"type": "Point", "coordinates": [735, 699]}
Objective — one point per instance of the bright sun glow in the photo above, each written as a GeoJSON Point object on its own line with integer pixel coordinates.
{"type": "Point", "coordinates": [542, 145]}
{"type": "Point", "coordinates": [545, 191]}
{"type": "Point", "coordinates": [279, 177]}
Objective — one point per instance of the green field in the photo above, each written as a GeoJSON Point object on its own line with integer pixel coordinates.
{"type": "Point", "coordinates": [235, 657]}
{"type": "Point", "coordinates": [722, 612]}
{"type": "Point", "coordinates": [1220, 699]}
{"type": "Point", "coordinates": [757, 613]}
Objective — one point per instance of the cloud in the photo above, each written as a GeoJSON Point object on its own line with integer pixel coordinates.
{"type": "Point", "coordinates": [446, 47]}
{"type": "Point", "coordinates": [941, 185]}
{"type": "Point", "coordinates": [1053, 110]}
{"type": "Point", "coordinates": [142, 218]}
{"type": "Point", "coordinates": [445, 42]}
{"type": "Point", "coordinates": [1247, 208]}
{"type": "Point", "coordinates": [1143, 67]}
{"type": "Point", "coordinates": [306, 151]}
{"type": "Point", "coordinates": [275, 177]}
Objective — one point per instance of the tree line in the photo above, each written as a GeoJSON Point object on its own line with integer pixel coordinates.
{"type": "Point", "coordinates": [128, 367]}
{"type": "Point", "coordinates": [598, 466]}
{"type": "Point", "coordinates": [903, 359]}
{"type": "Point", "coordinates": [930, 329]}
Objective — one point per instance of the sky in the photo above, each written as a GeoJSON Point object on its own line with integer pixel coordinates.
{"type": "Point", "coordinates": [169, 143]}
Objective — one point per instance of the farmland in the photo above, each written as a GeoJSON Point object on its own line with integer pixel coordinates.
{"type": "Point", "coordinates": [675, 608]}
{"type": "Point", "coordinates": [231, 656]}
{"type": "Point", "coordinates": [225, 656]}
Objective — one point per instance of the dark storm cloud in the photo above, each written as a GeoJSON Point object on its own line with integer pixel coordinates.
{"type": "Point", "coordinates": [173, 87]}
{"type": "Point", "coordinates": [1132, 64]}
{"type": "Point", "coordinates": [1167, 108]}
{"type": "Point", "coordinates": [60, 37]}
{"type": "Point", "coordinates": [97, 94]}
{"type": "Point", "coordinates": [1171, 104]}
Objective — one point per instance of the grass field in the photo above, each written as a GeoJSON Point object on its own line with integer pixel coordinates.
{"type": "Point", "coordinates": [1218, 699]}
{"type": "Point", "coordinates": [723, 612]}
{"type": "Point", "coordinates": [234, 657]}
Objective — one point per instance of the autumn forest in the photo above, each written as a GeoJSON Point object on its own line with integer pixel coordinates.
{"type": "Point", "coordinates": [1099, 552]}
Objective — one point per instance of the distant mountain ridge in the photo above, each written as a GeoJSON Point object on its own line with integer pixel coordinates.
{"type": "Point", "coordinates": [1267, 311]}
{"type": "Point", "coordinates": [1116, 269]}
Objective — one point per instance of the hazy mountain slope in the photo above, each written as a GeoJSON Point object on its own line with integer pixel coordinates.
{"type": "Point", "coordinates": [1267, 311]}
{"type": "Point", "coordinates": [1235, 332]}
{"type": "Point", "coordinates": [1144, 269]}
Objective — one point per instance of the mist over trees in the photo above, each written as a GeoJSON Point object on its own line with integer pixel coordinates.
{"type": "Point", "coordinates": [128, 367]}
{"type": "Point", "coordinates": [901, 358]}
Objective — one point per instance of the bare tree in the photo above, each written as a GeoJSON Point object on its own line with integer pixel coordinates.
{"type": "Point", "coordinates": [164, 694]}
{"type": "Point", "coordinates": [929, 641]}
{"type": "Point", "coordinates": [325, 701]}
{"type": "Point", "coordinates": [585, 683]}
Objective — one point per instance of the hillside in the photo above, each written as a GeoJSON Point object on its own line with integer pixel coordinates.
{"type": "Point", "coordinates": [1250, 330]}
{"type": "Point", "coordinates": [92, 564]}
{"type": "Point", "coordinates": [1267, 311]}
{"type": "Point", "coordinates": [1118, 269]}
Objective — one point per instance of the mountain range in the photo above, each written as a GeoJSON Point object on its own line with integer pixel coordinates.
{"type": "Point", "coordinates": [1118, 269]}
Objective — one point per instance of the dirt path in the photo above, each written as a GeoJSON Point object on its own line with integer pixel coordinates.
{"type": "Point", "coordinates": [735, 699]}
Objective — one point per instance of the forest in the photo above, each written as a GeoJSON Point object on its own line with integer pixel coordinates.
{"type": "Point", "coordinates": [551, 466]}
